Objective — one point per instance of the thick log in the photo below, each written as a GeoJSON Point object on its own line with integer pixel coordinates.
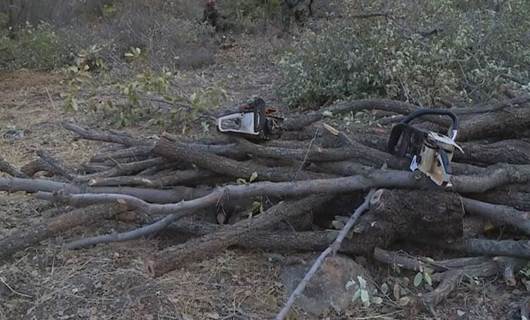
{"type": "Point", "coordinates": [64, 222]}
{"type": "Point", "coordinates": [505, 151]}
{"type": "Point", "coordinates": [500, 214]}
{"type": "Point", "coordinates": [228, 167]}
{"type": "Point", "coordinates": [507, 123]}
{"type": "Point", "coordinates": [211, 244]}
{"type": "Point", "coordinates": [418, 214]}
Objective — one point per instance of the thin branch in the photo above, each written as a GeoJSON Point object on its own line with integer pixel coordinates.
{"type": "Point", "coordinates": [332, 249]}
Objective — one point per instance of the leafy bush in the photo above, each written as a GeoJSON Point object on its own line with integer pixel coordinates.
{"type": "Point", "coordinates": [435, 51]}
{"type": "Point", "coordinates": [32, 47]}
{"type": "Point", "coordinates": [169, 34]}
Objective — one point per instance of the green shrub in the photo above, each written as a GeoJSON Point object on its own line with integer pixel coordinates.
{"type": "Point", "coordinates": [32, 47]}
{"type": "Point", "coordinates": [438, 51]}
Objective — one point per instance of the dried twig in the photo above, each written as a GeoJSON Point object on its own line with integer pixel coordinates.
{"type": "Point", "coordinates": [332, 249]}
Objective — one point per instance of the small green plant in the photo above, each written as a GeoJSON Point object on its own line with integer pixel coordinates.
{"type": "Point", "coordinates": [78, 78]}
{"type": "Point", "coordinates": [424, 275]}
{"type": "Point", "coordinates": [363, 292]}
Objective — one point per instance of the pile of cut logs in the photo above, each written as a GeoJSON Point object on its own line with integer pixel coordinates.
{"type": "Point", "coordinates": [294, 193]}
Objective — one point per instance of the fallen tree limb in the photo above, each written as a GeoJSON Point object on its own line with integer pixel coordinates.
{"type": "Point", "coordinates": [510, 197]}
{"type": "Point", "coordinates": [11, 170]}
{"type": "Point", "coordinates": [132, 152]}
{"type": "Point", "coordinates": [123, 169]}
{"type": "Point", "coordinates": [208, 245]}
{"type": "Point", "coordinates": [55, 166]}
{"type": "Point", "coordinates": [449, 272]}
{"type": "Point", "coordinates": [183, 177]}
{"type": "Point", "coordinates": [507, 123]}
{"type": "Point", "coordinates": [450, 281]}
{"type": "Point", "coordinates": [499, 213]}
{"type": "Point", "coordinates": [510, 248]}
{"type": "Point", "coordinates": [64, 222]}
{"type": "Point", "coordinates": [226, 166]}
{"type": "Point", "coordinates": [150, 195]}
{"type": "Point", "coordinates": [113, 137]}
{"type": "Point", "coordinates": [505, 151]}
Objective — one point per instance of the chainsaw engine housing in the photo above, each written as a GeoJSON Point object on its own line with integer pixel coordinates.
{"type": "Point", "coordinates": [254, 120]}
{"type": "Point", "coordinates": [430, 152]}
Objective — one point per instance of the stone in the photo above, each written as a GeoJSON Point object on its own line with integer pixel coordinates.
{"type": "Point", "coordinates": [328, 288]}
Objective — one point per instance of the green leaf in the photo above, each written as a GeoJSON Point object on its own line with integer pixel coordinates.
{"type": "Point", "coordinates": [356, 295]}
{"type": "Point", "coordinates": [365, 297]}
{"type": "Point", "coordinates": [362, 282]}
{"type": "Point", "coordinates": [427, 277]}
{"type": "Point", "coordinates": [418, 279]}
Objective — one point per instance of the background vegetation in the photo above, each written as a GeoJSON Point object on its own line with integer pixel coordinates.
{"type": "Point", "coordinates": [449, 52]}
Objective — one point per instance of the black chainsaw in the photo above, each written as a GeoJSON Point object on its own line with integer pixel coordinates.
{"type": "Point", "coordinates": [253, 120]}
{"type": "Point", "coordinates": [430, 152]}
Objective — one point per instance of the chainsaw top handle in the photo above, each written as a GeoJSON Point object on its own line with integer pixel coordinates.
{"type": "Point", "coordinates": [423, 112]}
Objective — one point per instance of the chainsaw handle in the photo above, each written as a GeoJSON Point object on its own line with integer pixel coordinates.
{"type": "Point", "coordinates": [424, 112]}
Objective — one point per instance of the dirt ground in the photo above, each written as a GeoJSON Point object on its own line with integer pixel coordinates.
{"type": "Point", "coordinates": [109, 282]}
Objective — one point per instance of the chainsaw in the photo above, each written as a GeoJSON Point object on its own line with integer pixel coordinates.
{"type": "Point", "coordinates": [253, 120]}
{"type": "Point", "coordinates": [430, 152]}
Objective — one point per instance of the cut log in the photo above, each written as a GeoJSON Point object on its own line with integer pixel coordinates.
{"type": "Point", "coordinates": [418, 214]}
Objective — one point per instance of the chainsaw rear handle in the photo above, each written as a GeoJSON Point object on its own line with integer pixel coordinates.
{"type": "Point", "coordinates": [423, 112]}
